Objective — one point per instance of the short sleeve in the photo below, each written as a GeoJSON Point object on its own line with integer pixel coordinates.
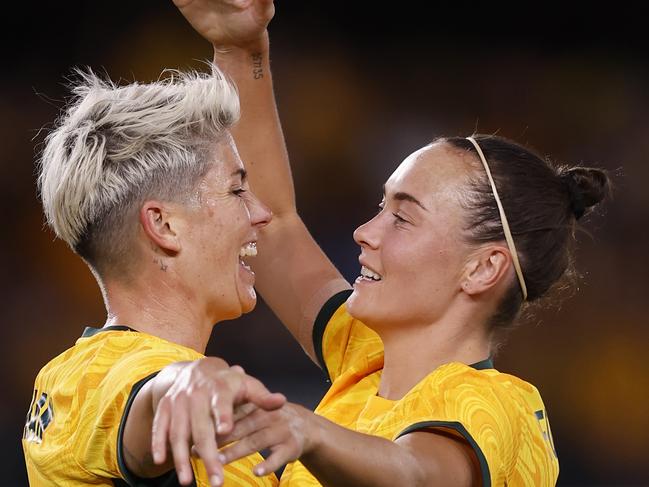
{"type": "Point", "coordinates": [342, 342]}
{"type": "Point", "coordinates": [466, 406]}
{"type": "Point", "coordinates": [103, 396]}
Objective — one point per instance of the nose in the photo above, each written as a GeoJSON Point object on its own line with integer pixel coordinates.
{"type": "Point", "coordinates": [260, 214]}
{"type": "Point", "coordinates": [366, 235]}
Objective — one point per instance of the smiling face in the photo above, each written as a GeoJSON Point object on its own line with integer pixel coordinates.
{"type": "Point", "coordinates": [220, 230]}
{"type": "Point", "coordinates": [412, 252]}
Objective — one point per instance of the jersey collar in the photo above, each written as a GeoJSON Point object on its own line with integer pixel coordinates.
{"type": "Point", "coordinates": [487, 363]}
{"type": "Point", "coordinates": [89, 331]}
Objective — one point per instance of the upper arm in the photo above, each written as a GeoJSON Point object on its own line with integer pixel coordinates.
{"type": "Point", "coordinates": [134, 440]}
{"type": "Point", "coordinates": [134, 451]}
{"type": "Point", "coordinates": [295, 277]}
{"type": "Point", "coordinates": [441, 458]}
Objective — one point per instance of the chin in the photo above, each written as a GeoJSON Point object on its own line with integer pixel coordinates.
{"type": "Point", "coordinates": [248, 300]}
{"type": "Point", "coordinates": [357, 307]}
{"type": "Point", "coordinates": [248, 307]}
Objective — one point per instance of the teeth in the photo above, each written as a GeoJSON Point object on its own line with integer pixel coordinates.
{"type": "Point", "coordinates": [370, 274]}
{"type": "Point", "coordinates": [249, 250]}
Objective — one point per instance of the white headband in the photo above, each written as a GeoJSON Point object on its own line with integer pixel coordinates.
{"type": "Point", "coordinates": [503, 219]}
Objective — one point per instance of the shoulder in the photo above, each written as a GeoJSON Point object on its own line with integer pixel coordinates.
{"type": "Point", "coordinates": [342, 342]}
{"type": "Point", "coordinates": [495, 413]}
{"type": "Point", "coordinates": [111, 360]}
{"type": "Point", "coordinates": [131, 356]}
{"type": "Point", "coordinates": [459, 386]}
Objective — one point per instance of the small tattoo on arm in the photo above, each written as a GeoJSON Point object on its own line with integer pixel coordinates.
{"type": "Point", "coordinates": [257, 68]}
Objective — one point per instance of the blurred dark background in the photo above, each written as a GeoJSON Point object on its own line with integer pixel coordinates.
{"type": "Point", "coordinates": [359, 89]}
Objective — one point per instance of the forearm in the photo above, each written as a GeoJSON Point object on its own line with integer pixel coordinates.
{"type": "Point", "coordinates": [258, 134]}
{"type": "Point", "coordinates": [341, 457]}
{"type": "Point", "coordinates": [293, 274]}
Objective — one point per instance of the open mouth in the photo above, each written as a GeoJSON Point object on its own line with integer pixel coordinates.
{"type": "Point", "coordinates": [247, 250]}
{"type": "Point", "coordinates": [368, 274]}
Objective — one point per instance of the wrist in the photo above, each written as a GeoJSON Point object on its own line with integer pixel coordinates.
{"type": "Point", "coordinates": [259, 45]}
{"type": "Point", "coordinates": [315, 428]}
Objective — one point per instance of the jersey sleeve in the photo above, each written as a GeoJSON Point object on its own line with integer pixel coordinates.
{"type": "Point", "coordinates": [342, 342]}
{"type": "Point", "coordinates": [104, 396]}
{"type": "Point", "coordinates": [464, 406]}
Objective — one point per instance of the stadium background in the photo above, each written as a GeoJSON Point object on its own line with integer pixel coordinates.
{"type": "Point", "coordinates": [359, 90]}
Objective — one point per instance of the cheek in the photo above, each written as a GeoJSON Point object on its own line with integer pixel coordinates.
{"type": "Point", "coordinates": [424, 264]}
{"type": "Point", "coordinates": [403, 256]}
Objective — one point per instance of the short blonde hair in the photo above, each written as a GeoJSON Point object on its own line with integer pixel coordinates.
{"type": "Point", "coordinates": [115, 146]}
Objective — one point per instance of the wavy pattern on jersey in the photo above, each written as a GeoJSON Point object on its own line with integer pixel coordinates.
{"type": "Point", "coordinates": [88, 387]}
{"type": "Point", "coordinates": [498, 412]}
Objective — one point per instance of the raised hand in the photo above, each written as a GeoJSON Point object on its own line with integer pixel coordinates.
{"type": "Point", "coordinates": [228, 23]}
{"type": "Point", "coordinates": [197, 406]}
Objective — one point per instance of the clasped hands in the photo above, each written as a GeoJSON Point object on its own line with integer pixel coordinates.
{"type": "Point", "coordinates": [220, 414]}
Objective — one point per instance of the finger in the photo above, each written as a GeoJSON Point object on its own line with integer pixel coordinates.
{"type": "Point", "coordinates": [204, 439]}
{"type": "Point", "coordinates": [179, 438]}
{"type": "Point", "coordinates": [255, 442]}
{"type": "Point", "coordinates": [242, 4]}
{"type": "Point", "coordinates": [257, 393]}
{"type": "Point", "coordinates": [267, 9]}
{"type": "Point", "coordinates": [256, 421]}
{"type": "Point", "coordinates": [280, 456]}
{"type": "Point", "coordinates": [159, 432]}
{"type": "Point", "coordinates": [242, 411]}
{"type": "Point", "coordinates": [231, 388]}
{"type": "Point", "coordinates": [271, 402]}
{"type": "Point", "coordinates": [221, 407]}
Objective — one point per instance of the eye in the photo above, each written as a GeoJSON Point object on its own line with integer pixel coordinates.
{"type": "Point", "coordinates": [398, 219]}
{"type": "Point", "coordinates": [238, 192]}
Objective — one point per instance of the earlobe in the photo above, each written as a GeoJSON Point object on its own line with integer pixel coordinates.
{"type": "Point", "coordinates": [469, 276]}
{"type": "Point", "coordinates": [157, 225]}
{"type": "Point", "coordinates": [486, 270]}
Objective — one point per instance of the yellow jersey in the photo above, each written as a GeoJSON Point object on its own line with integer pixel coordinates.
{"type": "Point", "coordinates": [81, 398]}
{"type": "Point", "coordinates": [501, 416]}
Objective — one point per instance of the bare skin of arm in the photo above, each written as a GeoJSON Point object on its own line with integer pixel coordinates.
{"type": "Point", "coordinates": [293, 274]}
{"type": "Point", "coordinates": [296, 278]}
{"type": "Point", "coordinates": [338, 457]}
{"type": "Point", "coordinates": [185, 406]}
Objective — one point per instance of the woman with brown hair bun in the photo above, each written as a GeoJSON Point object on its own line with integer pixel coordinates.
{"type": "Point", "coordinates": [469, 231]}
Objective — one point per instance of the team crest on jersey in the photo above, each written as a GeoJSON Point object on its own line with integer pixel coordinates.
{"type": "Point", "coordinates": [39, 417]}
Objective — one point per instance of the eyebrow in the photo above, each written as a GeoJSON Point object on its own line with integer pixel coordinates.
{"type": "Point", "coordinates": [240, 172]}
{"type": "Point", "coordinates": [402, 196]}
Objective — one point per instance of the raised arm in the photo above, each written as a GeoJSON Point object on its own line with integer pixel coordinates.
{"type": "Point", "coordinates": [294, 276]}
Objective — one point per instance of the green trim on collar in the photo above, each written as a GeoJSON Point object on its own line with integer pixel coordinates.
{"type": "Point", "coordinates": [90, 331]}
{"type": "Point", "coordinates": [487, 363]}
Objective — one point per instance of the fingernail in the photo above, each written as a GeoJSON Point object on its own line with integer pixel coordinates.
{"type": "Point", "coordinates": [221, 458]}
{"type": "Point", "coordinates": [157, 457]}
{"type": "Point", "coordinates": [259, 471]}
{"type": "Point", "coordinates": [215, 480]}
{"type": "Point", "coordinates": [221, 428]}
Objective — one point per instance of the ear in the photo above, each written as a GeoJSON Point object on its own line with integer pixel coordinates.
{"type": "Point", "coordinates": [486, 269]}
{"type": "Point", "coordinates": [159, 226]}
